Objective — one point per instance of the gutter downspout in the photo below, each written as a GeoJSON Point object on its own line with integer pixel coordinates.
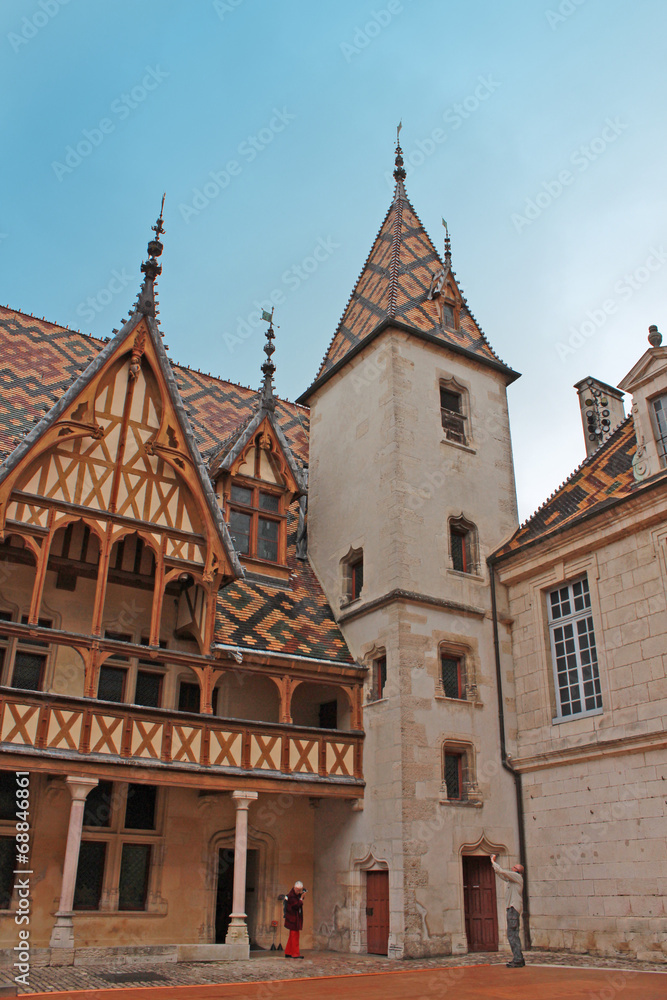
{"type": "Point", "coordinates": [504, 759]}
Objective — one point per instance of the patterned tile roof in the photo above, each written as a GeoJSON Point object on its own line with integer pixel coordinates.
{"type": "Point", "coordinates": [394, 284]}
{"type": "Point", "coordinates": [295, 620]}
{"type": "Point", "coordinates": [603, 478]}
{"type": "Point", "coordinates": [40, 360]}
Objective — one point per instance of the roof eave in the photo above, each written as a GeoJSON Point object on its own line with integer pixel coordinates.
{"type": "Point", "coordinates": [509, 373]}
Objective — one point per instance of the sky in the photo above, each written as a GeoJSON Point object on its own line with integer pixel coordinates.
{"type": "Point", "coordinates": [536, 128]}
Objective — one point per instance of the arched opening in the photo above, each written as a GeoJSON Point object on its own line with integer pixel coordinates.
{"type": "Point", "coordinates": [128, 600]}
{"type": "Point", "coordinates": [18, 566]}
{"type": "Point", "coordinates": [321, 706]}
{"type": "Point", "coordinates": [72, 570]}
{"type": "Point", "coordinates": [244, 695]}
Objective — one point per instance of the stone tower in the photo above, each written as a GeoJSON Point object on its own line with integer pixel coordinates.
{"type": "Point", "coordinates": [411, 487]}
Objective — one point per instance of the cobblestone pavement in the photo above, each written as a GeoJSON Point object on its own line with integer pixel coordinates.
{"type": "Point", "coordinates": [273, 966]}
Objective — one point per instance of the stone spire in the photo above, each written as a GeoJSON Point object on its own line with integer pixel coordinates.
{"type": "Point", "coordinates": [268, 401]}
{"type": "Point", "coordinates": [151, 269]}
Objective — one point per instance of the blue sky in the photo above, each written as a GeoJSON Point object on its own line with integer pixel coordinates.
{"type": "Point", "coordinates": [537, 129]}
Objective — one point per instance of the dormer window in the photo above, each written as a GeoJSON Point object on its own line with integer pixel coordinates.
{"type": "Point", "coordinates": [255, 520]}
{"type": "Point", "coordinates": [660, 421]}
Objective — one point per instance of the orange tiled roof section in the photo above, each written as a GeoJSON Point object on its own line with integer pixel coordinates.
{"type": "Point", "coordinates": [394, 284]}
{"type": "Point", "coordinates": [296, 620]}
{"type": "Point", "coordinates": [39, 360]}
{"type": "Point", "coordinates": [603, 478]}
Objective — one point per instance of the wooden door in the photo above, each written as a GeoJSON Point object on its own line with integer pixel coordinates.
{"type": "Point", "coordinates": [377, 912]}
{"type": "Point", "coordinates": [479, 897]}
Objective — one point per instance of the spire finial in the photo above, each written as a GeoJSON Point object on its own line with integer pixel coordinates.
{"type": "Point", "coordinates": [399, 170]}
{"type": "Point", "coordinates": [268, 368]}
{"type": "Point", "coordinates": [448, 246]}
{"type": "Point", "coordinates": [151, 268]}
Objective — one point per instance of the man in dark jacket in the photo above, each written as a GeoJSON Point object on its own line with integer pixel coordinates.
{"type": "Point", "coordinates": [294, 919]}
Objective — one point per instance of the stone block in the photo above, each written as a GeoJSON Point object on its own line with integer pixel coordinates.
{"type": "Point", "coordinates": [212, 952]}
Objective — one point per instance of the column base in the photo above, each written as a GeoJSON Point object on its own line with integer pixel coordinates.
{"type": "Point", "coordinates": [237, 932]}
{"type": "Point", "coordinates": [62, 935]}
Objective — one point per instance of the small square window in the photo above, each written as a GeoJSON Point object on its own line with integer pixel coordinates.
{"type": "Point", "coordinates": [89, 875]}
{"type": "Point", "coordinates": [453, 676]}
{"type": "Point", "coordinates": [97, 808]}
{"type": "Point", "coordinates": [133, 882]}
{"type": "Point", "coordinates": [28, 671]}
{"type": "Point", "coordinates": [379, 677]}
{"type": "Point", "coordinates": [452, 415]}
{"type": "Point", "coordinates": [111, 685]}
{"type": "Point", "coordinates": [454, 775]}
{"type": "Point", "coordinates": [267, 539]}
{"type": "Point", "coordinates": [239, 528]}
{"type": "Point", "coordinates": [148, 690]}
{"type": "Point", "coordinates": [140, 807]}
{"type": "Point", "coordinates": [356, 578]}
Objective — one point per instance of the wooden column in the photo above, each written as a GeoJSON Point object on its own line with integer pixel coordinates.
{"type": "Point", "coordinates": [101, 589]}
{"type": "Point", "coordinates": [40, 574]}
{"type": "Point", "coordinates": [158, 596]}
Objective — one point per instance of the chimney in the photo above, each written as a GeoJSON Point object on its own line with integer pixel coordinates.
{"type": "Point", "coordinates": [602, 411]}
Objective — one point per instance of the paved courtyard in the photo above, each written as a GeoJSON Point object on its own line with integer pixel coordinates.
{"type": "Point", "coordinates": [550, 976]}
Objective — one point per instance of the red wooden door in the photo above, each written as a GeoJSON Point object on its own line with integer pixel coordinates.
{"type": "Point", "coordinates": [377, 912]}
{"type": "Point", "coordinates": [479, 898]}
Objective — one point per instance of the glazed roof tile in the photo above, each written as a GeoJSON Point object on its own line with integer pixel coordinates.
{"type": "Point", "coordinates": [41, 360]}
{"type": "Point", "coordinates": [394, 284]}
{"type": "Point", "coordinates": [295, 619]}
{"type": "Point", "coordinates": [603, 478]}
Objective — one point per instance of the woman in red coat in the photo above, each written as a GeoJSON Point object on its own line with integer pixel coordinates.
{"type": "Point", "coordinates": [294, 919]}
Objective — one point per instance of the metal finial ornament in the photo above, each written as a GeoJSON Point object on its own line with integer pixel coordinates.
{"type": "Point", "coordinates": [268, 368]}
{"type": "Point", "coordinates": [654, 336]}
{"type": "Point", "coordinates": [448, 246]}
{"type": "Point", "coordinates": [399, 170]}
{"type": "Point", "coordinates": [151, 268]}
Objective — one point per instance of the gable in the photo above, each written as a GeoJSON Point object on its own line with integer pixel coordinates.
{"type": "Point", "coordinates": [116, 444]}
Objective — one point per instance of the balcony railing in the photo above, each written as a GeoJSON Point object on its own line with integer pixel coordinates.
{"type": "Point", "coordinates": [108, 732]}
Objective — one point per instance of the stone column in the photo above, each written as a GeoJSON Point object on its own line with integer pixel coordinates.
{"type": "Point", "coordinates": [237, 932]}
{"type": "Point", "coordinates": [62, 935]}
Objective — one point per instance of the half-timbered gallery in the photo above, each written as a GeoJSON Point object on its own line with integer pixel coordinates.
{"type": "Point", "coordinates": [245, 641]}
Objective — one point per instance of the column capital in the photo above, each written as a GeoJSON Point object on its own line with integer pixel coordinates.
{"type": "Point", "coordinates": [80, 787]}
{"type": "Point", "coordinates": [242, 800]}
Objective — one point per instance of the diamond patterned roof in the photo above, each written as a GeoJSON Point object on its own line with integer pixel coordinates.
{"type": "Point", "coordinates": [39, 360]}
{"type": "Point", "coordinates": [603, 478]}
{"type": "Point", "coordinates": [296, 620]}
{"type": "Point", "coordinates": [394, 284]}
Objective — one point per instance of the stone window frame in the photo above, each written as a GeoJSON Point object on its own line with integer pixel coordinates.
{"type": "Point", "coordinates": [471, 795]}
{"type": "Point", "coordinates": [452, 385]}
{"type": "Point", "coordinates": [463, 652]}
{"type": "Point", "coordinates": [458, 524]}
{"type": "Point", "coordinates": [349, 562]}
{"type": "Point", "coordinates": [375, 658]}
{"type": "Point", "coordinates": [115, 835]}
